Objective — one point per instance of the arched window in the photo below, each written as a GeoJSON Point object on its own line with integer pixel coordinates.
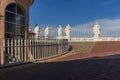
{"type": "Point", "coordinates": [14, 22]}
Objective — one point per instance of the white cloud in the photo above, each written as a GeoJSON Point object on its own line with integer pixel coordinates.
{"type": "Point", "coordinates": [108, 2]}
{"type": "Point", "coordinates": [104, 23]}
{"type": "Point", "coordinates": [109, 27]}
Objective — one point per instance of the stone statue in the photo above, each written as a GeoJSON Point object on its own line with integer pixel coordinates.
{"type": "Point", "coordinates": [68, 32]}
{"type": "Point", "coordinates": [37, 32]}
{"type": "Point", "coordinates": [47, 31]}
{"type": "Point", "coordinates": [96, 31]}
{"type": "Point", "coordinates": [30, 29]}
{"type": "Point", "coordinates": [60, 31]}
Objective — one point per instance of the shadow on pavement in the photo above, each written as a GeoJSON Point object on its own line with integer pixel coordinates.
{"type": "Point", "coordinates": [94, 68]}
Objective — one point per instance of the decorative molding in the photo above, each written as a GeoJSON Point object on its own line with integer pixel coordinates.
{"type": "Point", "coordinates": [2, 17]}
{"type": "Point", "coordinates": [30, 2]}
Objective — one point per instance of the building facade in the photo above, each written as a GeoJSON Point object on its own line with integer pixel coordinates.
{"type": "Point", "coordinates": [14, 20]}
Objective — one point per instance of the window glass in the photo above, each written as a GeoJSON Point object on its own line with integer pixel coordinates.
{"type": "Point", "coordinates": [20, 20]}
{"type": "Point", "coordinates": [14, 22]}
{"type": "Point", "coordinates": [9, 28]}
{"type": "Point", "coordinates": [20, 11]}
{"type": "Point", "coordinates": [11, 7]}
{"type": "Point", "coordinates": [10, 17]}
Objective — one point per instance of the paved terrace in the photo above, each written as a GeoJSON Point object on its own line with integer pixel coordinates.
{"type": "Point", "coordinates": [88, 61]}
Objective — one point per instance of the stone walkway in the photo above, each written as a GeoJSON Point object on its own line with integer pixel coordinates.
{"type": "Point", "coordinates": [94, 69]}
{"type": "Point", "coordinates": [90, 66]}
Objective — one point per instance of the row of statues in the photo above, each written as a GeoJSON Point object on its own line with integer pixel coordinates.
{"type": "Point", "coordinates": [60, 32]}
{"type": "Point", "coordinates": [67, 32]}
{"type": "Point", "coordinates": [96, 31]}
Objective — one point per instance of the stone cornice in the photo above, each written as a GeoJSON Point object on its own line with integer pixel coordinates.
{"type": "Point", "coordinates": [30, 2]}
{"type": "Point", "coordinates": [1, 15]}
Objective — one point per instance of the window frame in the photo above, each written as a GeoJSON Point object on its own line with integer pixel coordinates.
{"type": "Point", "coordinates": [16, 24]}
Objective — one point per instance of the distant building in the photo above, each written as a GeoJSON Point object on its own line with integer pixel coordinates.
{"type": "Point", "coordinates": [14, 20]}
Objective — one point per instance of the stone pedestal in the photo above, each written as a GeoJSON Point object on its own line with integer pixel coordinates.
{"type": "Point", "coordinates": [96, 39]}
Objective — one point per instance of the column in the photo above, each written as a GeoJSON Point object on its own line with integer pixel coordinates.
{"type": "Point", "coordinates": [1, 39]}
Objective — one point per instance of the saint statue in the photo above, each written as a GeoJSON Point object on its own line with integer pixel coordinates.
{"type": "Point", "coordinates": [30, 29]}
{"type": "Point", "coordinates": [68, 32]}
{"type": "Point", "coordinates": [37, 31]}
{"type": "Point", "coordinates": [47, 31]}
{"type": "Point", "coordinates": [60, 31]}
{"type": "Point", "coordinates": [96, 30]}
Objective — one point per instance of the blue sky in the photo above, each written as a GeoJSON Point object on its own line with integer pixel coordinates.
{"type": "Point", "coordinates": [75, 12]}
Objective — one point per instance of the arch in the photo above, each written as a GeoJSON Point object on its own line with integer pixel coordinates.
{"type": "Point", "coordinates": [14, 21]}
{"type": "Point", "coordinates": [18, 4]}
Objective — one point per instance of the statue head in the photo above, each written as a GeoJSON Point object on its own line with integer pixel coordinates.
{"type": "Point", "coordinates": [60, 27]}
{"type": "Point", "coordinates": [30, 29]}
{"type": "Point", "coordinates": [97, 23]}
{"type": "Point", "coordinates": [47, 28]}
{"type": "Point", "coordinates": [68, 26]}
{"type": "Point", "coordinates": [37, 29]}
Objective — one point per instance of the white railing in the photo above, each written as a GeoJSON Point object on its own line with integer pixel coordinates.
{"type": "Point", "coordinates": [92, 39]}
{"type": "Point", "coordinates": [81, 39]}
{"type": "Point", "coordinates": [21, 50]}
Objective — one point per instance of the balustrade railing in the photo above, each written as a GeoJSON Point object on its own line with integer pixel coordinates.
{"type": "Point", "coordinates": [94, 39]}
{"type": "Point", "coordinates": [22, 50]}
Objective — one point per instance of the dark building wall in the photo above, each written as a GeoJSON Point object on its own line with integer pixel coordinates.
{"type": "Point", "coordinates": [24, 4]}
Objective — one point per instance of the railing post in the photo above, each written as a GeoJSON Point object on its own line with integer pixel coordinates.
{"type": "Point", "coordinates": [2, 45]}
{"type": "Point", "coordinates": [22, 50]}
{"type": "Point", "coordinates": [25, 50]}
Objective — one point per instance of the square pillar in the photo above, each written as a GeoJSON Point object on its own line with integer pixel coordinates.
{"type": "Point", "coordinates": [1, 39]}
